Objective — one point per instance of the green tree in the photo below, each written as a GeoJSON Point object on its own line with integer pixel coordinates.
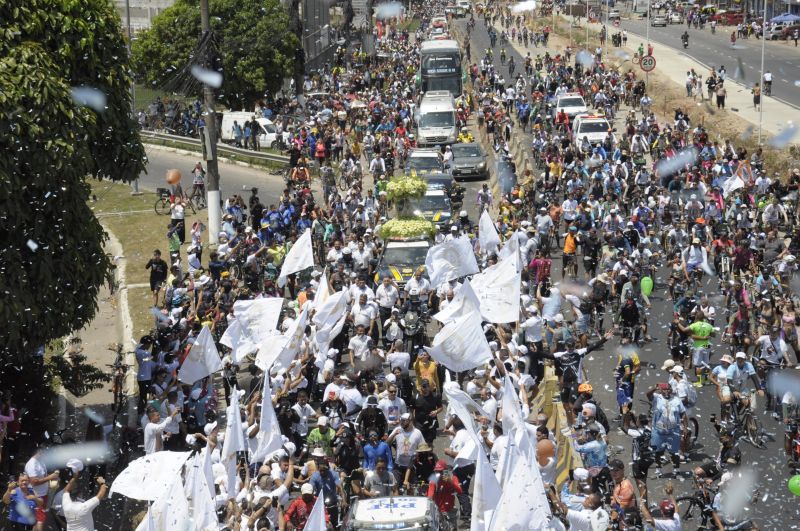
{"type": "Point", "coordinates": [254, 42]}
{"type": "Point", "coordinates": [52, 261]}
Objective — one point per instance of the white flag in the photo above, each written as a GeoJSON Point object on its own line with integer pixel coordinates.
{"type": "Point", "coordinates": [293, 340]}
{"type": "Point", "coordinates": [232, 338]}
{"type": "Point", "coordinates": [204, 517]}
{"type": "Point", "coordinates": [450, 260]}
{"type": "Point", "coordinates": [324, 291]}
{"type": "Point", "coordinates": [464, 301]}
{"type": "Point", "coordinates": [732, 184]}
{"type": "Point", "coordinates": [498, 290]}
{"type": "Point", "coordinates": [326, 334]}
{"type": "Point", "coordinates": [461, 345]}
{"type": "Point", "coordinates": [511, 248]}
{"type": "Point", "coordinates": [258, 319]}
{"type": "Point", "coordinates": [234, 441]}
{"type": "Point", "coordinates": [170, 511]}
{"type": "Point", "coordinates": [316, 518]}
{"type": "Point", "coordinates": [299, 257]}
{"type": "Point", "coordinates": [485, 495]}
{"type": "Point", "coordinates": [269, 432]}
{"type": "Point", "coordinates": [488, 238]}
{"type": "Point", "coordinates": [202, 360]}
{"type": "Point", "coordinates": [331, 310]}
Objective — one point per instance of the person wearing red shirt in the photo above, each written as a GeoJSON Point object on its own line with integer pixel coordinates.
{"type": "Point", "coordinates": [443, 491]}
{"type": "Point", "coordinates": [298, 512]}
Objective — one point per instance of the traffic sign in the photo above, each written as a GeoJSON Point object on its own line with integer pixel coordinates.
{"type": "Point", "coordinates": [647, 63]}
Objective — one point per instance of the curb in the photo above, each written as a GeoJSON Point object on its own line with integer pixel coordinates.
{"type": "Point", "coordinates": [226, 160]}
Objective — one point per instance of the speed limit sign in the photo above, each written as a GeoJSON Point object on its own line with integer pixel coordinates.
{"type": "Point", "coordinates": [647, 63]}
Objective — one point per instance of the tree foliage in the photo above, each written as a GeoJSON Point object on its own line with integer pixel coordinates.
{"type": "Point", "coordinates": [52, 262]}
{"type": "Point", "coordinates": [255, 45]}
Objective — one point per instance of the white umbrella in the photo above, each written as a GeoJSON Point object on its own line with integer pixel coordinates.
{"type": "Point", "coordinates": [148, 477]}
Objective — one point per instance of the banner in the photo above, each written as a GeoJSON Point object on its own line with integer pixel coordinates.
{"type": "Point", "coordinates": [316, 518]}
{"type": "Point", "coordinates": [498, 290]}
{"type": "Point", "coordinates": [449, 260]}
{"type": "Point", "coordinates": [732, 184]}
{"type": "Point", "coordinates": [169, 511]}
{"type": "Point", "coordinates": [464, 301]}
{"type": "Point", "coordinates": [258, 319]}
{"type": "Point", "coordinates": [234, 442]}
{"type": "Point", "coordinates": [488, 238]}
{"type": "Point", "coordinates": [202, 360]}
{"type": "Point", "coordinates": [461, 345]}
{"type": "Point", "coordinates": [299, 257]}
{"type": "Point", "coordinates": [293, 340]}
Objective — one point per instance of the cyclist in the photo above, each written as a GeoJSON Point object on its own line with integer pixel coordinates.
{"type": "Point", "coordinates": [443, 489]}
{"type": "Point", "coordinates": [198, 180]}
{"type": "Point", "coordinates": [700, 331]}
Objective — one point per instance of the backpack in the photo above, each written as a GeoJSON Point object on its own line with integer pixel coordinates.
{"type": "Point", "coordinates": [642, 442]}
{"type": "Point", "coordinates": [600, 416]}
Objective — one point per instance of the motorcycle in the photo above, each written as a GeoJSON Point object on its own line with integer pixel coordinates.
{"type": "Point", "coordinates": [685, 41]}
{"type": "Point", "coordinates": [414, 324]}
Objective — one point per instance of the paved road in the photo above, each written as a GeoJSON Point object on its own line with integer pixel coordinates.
{"type": "Point", "coordinates": [778, 510]}
{"type": "Point", "coordinates": [782, 59]}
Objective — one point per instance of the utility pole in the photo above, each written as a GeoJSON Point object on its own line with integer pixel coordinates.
{"type": "Point", "coordinates": [135, 184]}
{"type": "Point", "coordinates": [761, 81]}
{"type": "Point", "coordinates": [210, 133]}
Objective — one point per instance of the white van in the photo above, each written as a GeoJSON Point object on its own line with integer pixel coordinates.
{"type": "Point", "coordinates": [571, 103]}
{"type": "Point", "coordinates": [395, 513]}
{"type": "Point", "coordinates": [436, 119]}
{"type": "Point", "coordinates": [595, 127]}
{"type": "Point", "coordinates": [268, 136]}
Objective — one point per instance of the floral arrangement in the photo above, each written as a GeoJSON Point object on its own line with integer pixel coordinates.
{"type": "Point", "coordinates": [407, 227]}
{"type": "Point", "coordinates": [405, 187]}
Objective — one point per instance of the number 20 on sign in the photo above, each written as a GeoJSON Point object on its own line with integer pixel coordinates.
{"type": "Point", "coordinates": [648, 63]}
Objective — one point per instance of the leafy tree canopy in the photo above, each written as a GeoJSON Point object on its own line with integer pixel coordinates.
{"type": "Point", "coordinates": [52, 261]}
{"type": "Point", "coordinates": [255, 46]}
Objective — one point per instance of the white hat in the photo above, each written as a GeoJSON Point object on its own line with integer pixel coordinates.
{"type": "Point", "coordinates": [391, 378]}
{"type": "Point", "coordinates": [203, 280]}
{"type": "Point", "coordinates": [405, 416]}
{"type": "Point", "coordinates": [668, 364]}
{"type": "Point", "coordinates": [493, 345]}
{"type": "Point", "coordinates": [306, 489]}
{"type": "Point", "coordinates": [208, 428]}
{"type": "Point", "coordinates": [580, 474]}
{"type": "Point", "coordinates": [678, 369]}
{"type": "Point", "coordinates": [522, 349]}
{"type": "Point", "coordinates": [559, 318]}
{"type": "Point", "coordinates": [248, 229]}
{"type": "Point", "coordinates": [290, 447]}
{"type": "Point", "coordinates": [191, 440]}
{"type": "Point", "coordinates": [75, 464]}
{"type": "Point", "coordinates": [195, 394]}
{"type": "Point", "coordinates": [332, 352]}
{"type": "Point", "coordinates": [532, 309]}
{"type": "Point", "coordinates": [741, 355]}
{"type": "Point", "coordinates": [463, 213]}
{"type": "Point", "coordinates": [317, 452]}
{"type": "Point", "coordinates": [322, 421]}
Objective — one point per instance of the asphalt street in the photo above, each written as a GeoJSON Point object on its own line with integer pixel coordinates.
{"type": "Point", "coordinates": [780, 57]}
{"type": "Point", "coordinates": [776, 507]}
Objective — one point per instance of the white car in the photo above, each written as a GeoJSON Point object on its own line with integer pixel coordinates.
{"type": "Point", "coordinates": [659, 20]}
{"type": "Point", "coordinates": [571, 103]}
{"type": "Point", "coordinates": [594, 127]}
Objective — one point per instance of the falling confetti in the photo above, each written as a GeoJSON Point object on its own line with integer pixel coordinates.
{"type": "Point", "coordinates": [584, 58]}
{"type": "Point", "coordinates": [388, 10]}
{"type": "Point", "coordinates": [32, 245]}
{"type": "Point", "coordinates": [89, 97]}
{"type": "Point", "coordinates": [206, 76]}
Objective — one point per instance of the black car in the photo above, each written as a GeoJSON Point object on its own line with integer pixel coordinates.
{"type": "Point", "coordinates": [469, 161]}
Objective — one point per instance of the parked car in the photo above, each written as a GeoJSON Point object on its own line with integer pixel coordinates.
{"type": "Point", "coordinates": [659, 20]}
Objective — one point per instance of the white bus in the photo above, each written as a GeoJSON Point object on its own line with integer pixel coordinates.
{"type": "Point", "coordinates": [440, 67]}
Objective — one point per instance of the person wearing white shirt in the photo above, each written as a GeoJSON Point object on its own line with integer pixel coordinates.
{"type": "Point", "coordinates": [392, 328]}
{"type": "Point", "coordinates": [168, 407]}
{"type": "Point", "coordinates": [590, 518]}
{"type": "Point", "coordinates": [386, 295]}
{"type": "Point", "coordinates": [78, 514]}
{"type": "Point", "coordinates": [421, 284]}
{"type": "Point", "coordinates": [360, 288]}
{"type": "Point", "coordinates": [393, 407]}
{"type": "Point", "coordinates": [397, 357]}
{"type": "Point", "coordinates": [463, 468]}
{"type": "Point", "coordinates": [154, 431]}
{"type": "Point", "coordinates": [407, 439]}
{"type": "Point", "coordinates": [304, 412]}
{"type": "Point", "coordinates": [570, 208]}
{"type": "Point", "coordinates": [364, 314]}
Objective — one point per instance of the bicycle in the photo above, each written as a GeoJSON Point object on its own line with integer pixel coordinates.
{"type": "Point", "coordinates": [697, 506]}
{"type": "Point", "coordinates": [163, 205]}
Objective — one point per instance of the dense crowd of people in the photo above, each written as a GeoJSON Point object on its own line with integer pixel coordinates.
{"type": "Point", "coordinates": [359, 410]}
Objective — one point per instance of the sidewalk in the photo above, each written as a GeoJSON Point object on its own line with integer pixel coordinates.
{"type": "Point", "coordinates": [673, 64]}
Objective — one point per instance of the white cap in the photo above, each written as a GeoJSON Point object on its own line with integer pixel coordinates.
{"type": "Point", "coordinates": [559, 318]}
{"type": "Point", "coordinates": [322, 421]}
{"type": "Point", "coordinates": [668, 364]}
{"type": "Point", "coordinates": [463, 213]}
{"type": "Point", "coordinates": [741, 355]}
{"type": "Point", "coordinates": [211, 426]}
{"type": "Point", "coordinates": [306, 489]}
{"type": "Point", "coordinates": [580, 474]}
{"type": "Point", "coordinates": [677, 369]}
{"type": "Point", "coordinates": [75, 464]}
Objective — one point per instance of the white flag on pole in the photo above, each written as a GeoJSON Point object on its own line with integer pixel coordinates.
{"type": "Point", "coordinates": [485, 495]}
{"type": "Point", "coordinates": [328, 333]}
{"type": "Point", "coordinates": [232, 338]}
{"type": "Point", "coordinates": [269, 432]}
{"type": "Point", "coordinates": [204, 516]}
{"type": "Point", "coordinates": [258, 319]}
{"type": "Point", "coordinates": [488, 238]}
{"type": "Point", "coordinates": [511, 249]}
{"type": "Point", "coordinates": [464, 301]}
{"type": "Point", "coordinates": [316, 518]}
{"type": "Point", "coordinates": [299, 257]}
{"type": "Point", "coordinates": [169, 511]}
{"type": "Point", "coordinates": [234, 441]}
{"type": "Point", "coordinates": [324, 291]}
{"type": "Point", "coordinates": [331, 310]}
{"type": "Point", "coordinates": [293, 340]}
{"type": "Point", "coordinates": [202, 360]}
{"type": "Point", "coordinates": [450, 260]}
{"type": "Point", "coordinates": [461, 345]}
{"type": "Point", "coordinates": [498, 290]}
{"type": "Point", "coordinates": [731, 184]}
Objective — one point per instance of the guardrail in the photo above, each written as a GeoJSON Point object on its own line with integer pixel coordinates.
{"type": "Point", "coordinates": [223, 150]}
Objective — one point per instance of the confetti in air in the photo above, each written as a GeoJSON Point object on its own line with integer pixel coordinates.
{"type": "Point", "coordinates": [32, 245]}
{"type": "Point", "coordinates": [89, 97]}
{"type": "Point", "coordinates": [527, 5]}
{"type": "Point", "coordinates": [684, 158]}
{"type": "Point", "coordinates": [388, 10]}
{"type": "Point", "coordinates": [209, 77]}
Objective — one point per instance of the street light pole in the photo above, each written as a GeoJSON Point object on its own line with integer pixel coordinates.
{"type": "Point", "coordinates": [761, 82]}
{"type": "Point", "coordinates": [210, 136]}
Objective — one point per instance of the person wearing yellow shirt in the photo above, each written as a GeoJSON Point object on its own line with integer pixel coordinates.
{"type": "Point", "coordinates": [571, 241]}
{"type": "Point", "coordinates": [277, 252]}
{"type": "Point", "coordinates": [427, 369]}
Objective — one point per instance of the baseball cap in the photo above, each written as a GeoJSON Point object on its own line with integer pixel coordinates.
{"type": "Point", "coordinates": [741, 355]}
{"type": "Point", "coordinates": [322, 421]}
{"type": "Point", "coordinates": [616, 464]}
{"type": "Point", "coordinates": [372, 401]}
{"type": "Point", "coordinates": [695, 240]}
{"type": "Point", "coordinates": [667, 507]}
{"type": "Point", "coordinates": [668, 364]}
{"type": "Point", "coordinates": [677, 369]}
{"type": "Point", "coordinates": [727, 358]}
{"type": "Point", "coordinates": [405, 416]}
{"type": "Point", "coordinates": [580, 474]}
{"type": "Point", "coordinates": [307, 489]}
{"type": "Point", "coordinates": [441, 464]}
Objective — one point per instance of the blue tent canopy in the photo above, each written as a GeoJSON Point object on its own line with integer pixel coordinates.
{"type": "Point", "coordinates": [786, 17]}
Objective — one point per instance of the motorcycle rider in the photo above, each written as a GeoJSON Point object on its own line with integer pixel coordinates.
{"type": "Point", "coordinates": [685, 39]}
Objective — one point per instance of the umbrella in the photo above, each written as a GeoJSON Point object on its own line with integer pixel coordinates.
{"type": "Point", "coordinates": [786, 17]}
{"type": "Point", "coordinates": [148, 477]}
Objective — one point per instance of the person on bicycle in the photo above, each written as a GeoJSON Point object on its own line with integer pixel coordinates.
{"type": "Point", "coordinates": [767, 83]}
{"type": "Point", "coordinates": [669, 421]}
{"type": "Point", "coordinates": [700, 331]}
{"type": "Point", "coordinates": [729, 456]}
{"type": "Point", "coordinates": [571, 242]}
{"type": "Point", "coordinates": [443, 489]}
{"type": "Point", "coordinates": [300, 173]}
{"type": "Point", "coordinates": [693, 257]}
{"type": "Point", "coordinates": [630, 316]}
